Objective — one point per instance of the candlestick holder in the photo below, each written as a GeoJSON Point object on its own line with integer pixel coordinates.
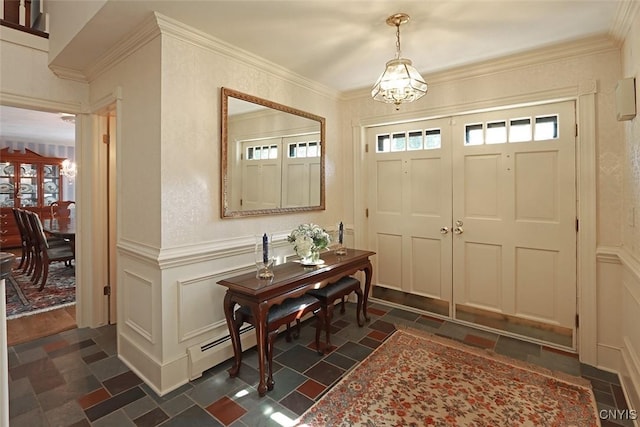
{"type": "Point", "coordinates": [339, 249]}
{"type": "Point", "coordinates": [264, 257]}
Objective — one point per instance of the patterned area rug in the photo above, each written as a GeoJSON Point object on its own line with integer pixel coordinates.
{"type": "Point", "coordinates": [417, 379]}
{"type": "Point", "coordinates": [23, 298]}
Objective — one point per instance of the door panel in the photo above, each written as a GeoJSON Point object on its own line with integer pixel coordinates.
{"type": "Point", "coordinates": [389, 250]}
{"type": "Point", "coordinates": [410, 201]}
{"type": "Point", "coordinates": [516, 254]}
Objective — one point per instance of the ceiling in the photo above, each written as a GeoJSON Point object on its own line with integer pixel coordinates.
{"type": "Point", "coordinates": [20, 125]}
{"type": "Point", "coordinates": [342, 45]}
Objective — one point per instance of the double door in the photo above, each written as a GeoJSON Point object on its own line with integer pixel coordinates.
{"type": "Point", "coordinates": [473, 217]}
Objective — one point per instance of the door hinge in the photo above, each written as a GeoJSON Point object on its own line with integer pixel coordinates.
{"type": "Point", "coordinates": [577, 320]}
{"type": "Point", "coordinates": [105, 138]}
{"type": "Point", "coordinates": [366, 212]}
{"type": "Point", "coordinates": [577, 225]}
{"type": "Point", "coordinates": [366, 148]}
{"type": "Point", "coordinates": [576, 129]}
{"type": "Point", "coordinates": [106, 290]}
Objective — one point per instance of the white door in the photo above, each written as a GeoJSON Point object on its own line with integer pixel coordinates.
{"type": "Point", "coordinates": [410, 201]}
{"type": "Point", "coordinates": [514, 198]}
{"type": "Point", "coordinates": [503, 182]}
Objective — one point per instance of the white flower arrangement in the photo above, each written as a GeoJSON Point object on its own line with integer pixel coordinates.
{"type": "Point", "coordinates": [308, 239]}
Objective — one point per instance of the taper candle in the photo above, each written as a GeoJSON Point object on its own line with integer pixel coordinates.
{"type": "Point", "coordinates": [265, 249]}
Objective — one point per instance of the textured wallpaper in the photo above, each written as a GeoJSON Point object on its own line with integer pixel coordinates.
{"type": "Point", "coordinates": [631, 67]}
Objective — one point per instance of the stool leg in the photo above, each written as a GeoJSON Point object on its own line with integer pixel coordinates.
{"type": "Point", "coordinates": [296, 334]}
{"type": "Point", "coordinates": [359, 307]}
{"type": "Point", "coordinates": [319, 322]}
{"type": "Point", "coordinates": [327, 323]}
{"type": "Point", "coordinates": [342, 308]}
{"type": "Point", "coordinates": [288, 335]}
{"type": "Point", "coordinates": [270, 338]}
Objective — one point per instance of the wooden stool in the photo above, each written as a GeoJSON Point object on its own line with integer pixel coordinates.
{"type": "Point", "coordinates": [332, 292]}
{"type": "Point", "coordinates": [289, 310]}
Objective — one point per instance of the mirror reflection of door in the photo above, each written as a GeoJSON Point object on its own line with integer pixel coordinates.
{"type": "Point", "coordinates": [261, 178]}
{"type": "Point", "coordinates": [301, 171]}
{"type": "Point", "coordinates": [272, 160]}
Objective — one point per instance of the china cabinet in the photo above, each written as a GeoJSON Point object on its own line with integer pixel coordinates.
{"type": "Point", "coordinates": [28, 181]}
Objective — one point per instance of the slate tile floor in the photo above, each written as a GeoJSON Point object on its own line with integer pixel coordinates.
{"type": "Point", "coordinates": [74, 378]}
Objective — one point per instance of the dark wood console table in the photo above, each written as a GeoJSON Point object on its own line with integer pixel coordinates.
{"type": "Point", "coordinates": [290, 280]}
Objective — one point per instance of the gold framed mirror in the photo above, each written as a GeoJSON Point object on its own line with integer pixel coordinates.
{"type": "Point", "coordinates": [272, 157]}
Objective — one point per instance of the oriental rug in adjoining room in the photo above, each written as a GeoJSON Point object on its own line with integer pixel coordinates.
{"type": "Point", "coordinates": [418, 379]}
{"type": "Point", "coordinates": [23, 297]}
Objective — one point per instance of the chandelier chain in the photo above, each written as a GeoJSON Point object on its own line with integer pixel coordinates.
{"type": "Point", "coordinates": [397, 40]}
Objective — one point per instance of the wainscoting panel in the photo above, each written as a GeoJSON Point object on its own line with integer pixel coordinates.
{"type": "Point", "coordinates": [138, 316]}
{"type": "Point", "coordinates": [195, 314]}
{"type": "Point", "coordinates": [618, 314]}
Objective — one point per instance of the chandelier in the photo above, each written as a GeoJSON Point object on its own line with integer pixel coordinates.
{"type": "Point", "coordinates": [69, 169]}
{"type": "Point", "coordinates": [400, 82]}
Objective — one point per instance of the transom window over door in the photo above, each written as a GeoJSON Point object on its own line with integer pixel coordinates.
{"type": "Point", "coordinates": [527, 129]}
{"type": "Point", "coordinates": [426, 139]}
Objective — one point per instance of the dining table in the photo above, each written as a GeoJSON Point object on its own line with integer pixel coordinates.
{"type": "Point", "coordinates": [63, 227]}
{"type": "Point", "coordinates": [290, 280]}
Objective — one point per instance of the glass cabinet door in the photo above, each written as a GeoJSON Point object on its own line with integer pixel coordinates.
{"type": "Point", "coordinates": [7, 185]}
{"type": "Point", "coordinates": [28, 190]}
{"type": "Point", "coordinates": [51, 184]}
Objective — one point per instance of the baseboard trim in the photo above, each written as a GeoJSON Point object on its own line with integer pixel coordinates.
{"type": "Point", "coordinates": [630, 377]}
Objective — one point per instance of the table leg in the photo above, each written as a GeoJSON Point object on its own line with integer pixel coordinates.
{"type": "Point", "coordinates": [229, 305]}
{"type": "Point", "coordinates": [260, 316]}
{"type": "Point", "coordinates": [368, 273]}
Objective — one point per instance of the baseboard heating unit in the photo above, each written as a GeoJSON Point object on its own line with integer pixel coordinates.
{"type": "Point", "coordinates": [207, 355]}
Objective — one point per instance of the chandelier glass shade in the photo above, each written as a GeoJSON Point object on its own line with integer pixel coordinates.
{"type": "Point", "coordinates": [400, 82]}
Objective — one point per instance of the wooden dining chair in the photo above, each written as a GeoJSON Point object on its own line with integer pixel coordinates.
{"type": "Point", "coordinates": [46, 253]}
{"type": "Point", "coordinates": [25, 250]}
{"type": "Point", "coordinates": [24, 222]}
{"type": "Point", "coordinates": [62, 208]}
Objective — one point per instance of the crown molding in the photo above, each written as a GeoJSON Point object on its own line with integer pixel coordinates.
{"type": "Point", "coordinates": [573, 49]}
{"type": "Point", "coordinates": [199, 38]}
{"type": "Point", "coordinates": [625, 14]}
{"type": "Point", "coordinates": [157, 24]}
{"type": "Point", "coordinates": [69, 73]}
{"type": "Point", "coordinates": [144, 33]}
